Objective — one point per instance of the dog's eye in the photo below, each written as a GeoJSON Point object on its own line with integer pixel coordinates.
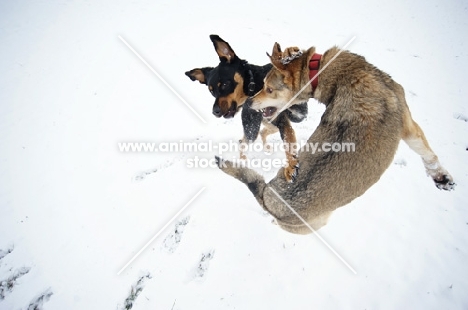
{"type": "Point", "coordinates": [225, 85]}
{"type": "Point", "coordinates": [269, 90]}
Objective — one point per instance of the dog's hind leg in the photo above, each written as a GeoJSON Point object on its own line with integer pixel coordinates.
{"type": "Point", "coordinates": [416, 140]}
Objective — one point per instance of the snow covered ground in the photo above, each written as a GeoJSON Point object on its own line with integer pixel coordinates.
{"type": "Point", "coordinates": [74, 210]}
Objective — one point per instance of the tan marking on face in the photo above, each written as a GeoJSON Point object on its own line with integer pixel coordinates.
{"type": "Point", "coordinates": [238, 95]}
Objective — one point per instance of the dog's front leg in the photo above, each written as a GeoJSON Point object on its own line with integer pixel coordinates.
{"type": "Point", "coordinates": [289, 139]}
{"type": "Point", "coordinates": [267, 130]}
{"type": "Point", "coordinates": [243, 143]}
{"type": "Point", "coordinates": [251, 121]}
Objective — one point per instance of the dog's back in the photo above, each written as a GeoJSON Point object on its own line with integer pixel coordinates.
{"type": "Point", "coordinates": [356, 141]}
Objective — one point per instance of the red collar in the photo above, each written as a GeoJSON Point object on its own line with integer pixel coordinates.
{"type": "Point", "coordinates": [314, 65]}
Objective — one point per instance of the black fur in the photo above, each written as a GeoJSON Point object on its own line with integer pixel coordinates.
{"type": "Point", "coordinates": [251, 121]}
{"type": "Point", "coordinates": [253, 187]}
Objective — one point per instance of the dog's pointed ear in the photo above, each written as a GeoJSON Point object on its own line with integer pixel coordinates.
{"type": "Point", "coordinates": [199, 74]}
{"type": "Point", "coordinates": [223, 49]}
{"type": "Point", "coordinates": [277, 53]}
{"type": "Point", "coordinates": [276, 56]}
{"type": "Point", "coordinates": [310, 52]}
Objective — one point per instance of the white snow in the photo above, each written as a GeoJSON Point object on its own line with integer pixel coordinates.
{"type": "Point", "coordinates": [74, 210]}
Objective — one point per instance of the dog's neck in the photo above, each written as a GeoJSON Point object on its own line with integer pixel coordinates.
{"type": "Point", "coordinates": [314, 65]}
{"type": "Point", "coordinates": [251, 86]}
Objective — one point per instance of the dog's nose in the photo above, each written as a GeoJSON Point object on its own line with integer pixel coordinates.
{"type": "Point", "coordinates": [216, 110]}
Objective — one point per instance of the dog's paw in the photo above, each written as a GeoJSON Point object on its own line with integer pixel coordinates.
{"type": "Point", "coordinates": [445, 182]}
{"type": "Point", "coordinates": [291, 172]}
{"type": "Point", "coordinates": [221, 163]}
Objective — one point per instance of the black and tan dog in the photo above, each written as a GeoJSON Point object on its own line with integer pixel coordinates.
{"type": "Point", "coordinates": [231, 83]}
{"type": "Point", "coordinates": [364, 106]}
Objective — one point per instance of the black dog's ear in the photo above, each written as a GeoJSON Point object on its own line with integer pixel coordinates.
{"type": "Point", "coordinates": [251, 121]}
{"type": "Point", "coordinates": [223, 49]}
{"type": "Point", "coordinates": [199, 74]}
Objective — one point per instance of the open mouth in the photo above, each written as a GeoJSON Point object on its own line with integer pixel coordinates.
{"type": "Point", "coordinates": [268, 111]}
{"type": "Point", "coordinates": [231, 112]}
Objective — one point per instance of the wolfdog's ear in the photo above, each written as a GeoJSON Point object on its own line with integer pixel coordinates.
{"type": "Point", "coordinates": [224, 50]}
{"type": "Point", "coordinates": [199, 74]}
{"type": "Point", "coordinates": [276, 57]}
{"type": "Point", "coordinates": [310, 52]}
